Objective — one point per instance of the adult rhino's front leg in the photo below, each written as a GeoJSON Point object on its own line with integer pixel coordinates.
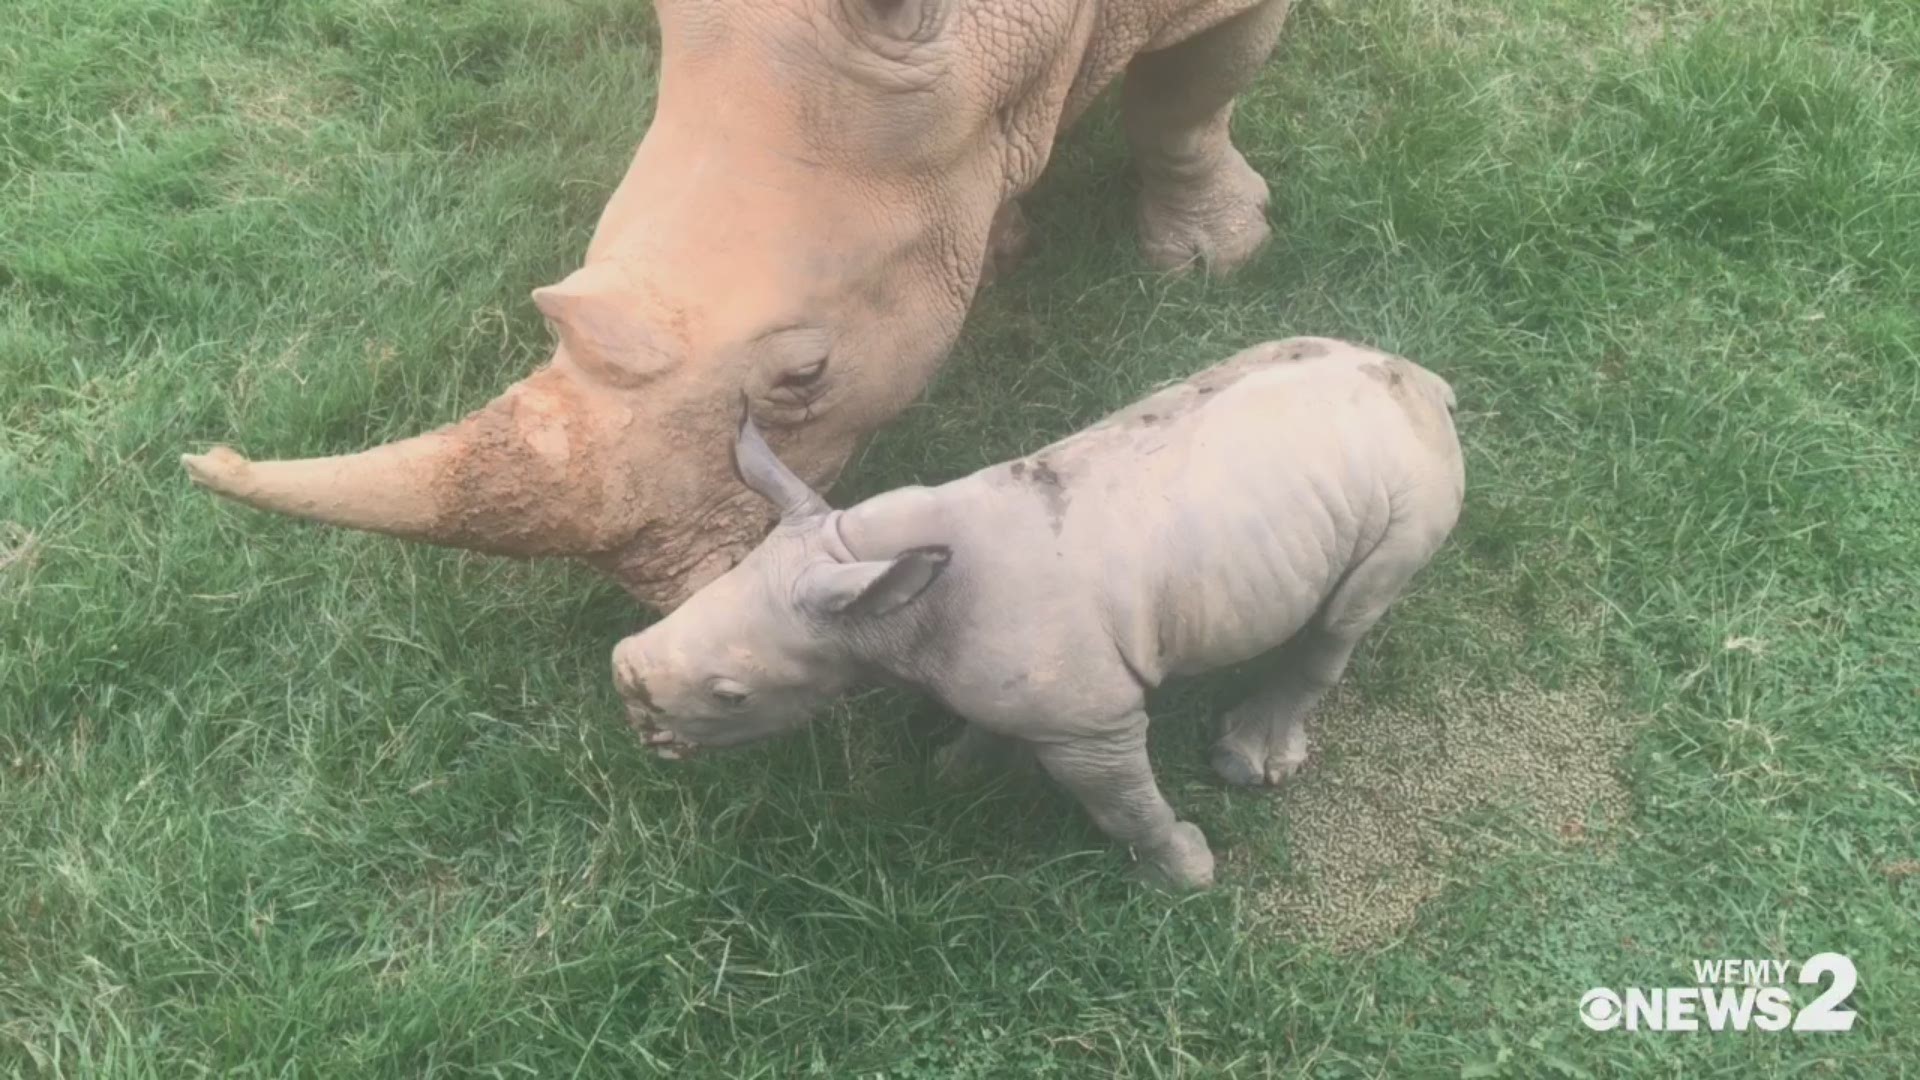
{"type": "Point", "coordinates": [1199, 199]}
{"type": "Point", "coordinates": [1112, 778]}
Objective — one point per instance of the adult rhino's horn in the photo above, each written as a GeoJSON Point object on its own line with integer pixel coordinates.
{"type": "Point", "coordinates": [522, 476]}
{"type": "Point", "coordinates": [384, 489]}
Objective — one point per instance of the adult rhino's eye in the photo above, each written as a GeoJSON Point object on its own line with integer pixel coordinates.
{"type": "Point", "coordinates": [803, 378]}
{"type": "Point", "coordinates": [727, 692]}
{"type": "Point", "coordinates": [795, 362]}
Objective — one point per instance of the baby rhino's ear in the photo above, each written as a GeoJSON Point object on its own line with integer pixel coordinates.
{"type": "Point", "coordinates": [872, 588]}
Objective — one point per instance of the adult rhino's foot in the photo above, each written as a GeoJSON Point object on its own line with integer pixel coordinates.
{"type": "Point", "coordinates": [1215, 217]}
{"type": "Point", "coordinates": [1180, 862]}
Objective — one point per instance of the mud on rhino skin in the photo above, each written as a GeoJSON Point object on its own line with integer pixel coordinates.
{"type": "Point", "coordinates": [886, 219]}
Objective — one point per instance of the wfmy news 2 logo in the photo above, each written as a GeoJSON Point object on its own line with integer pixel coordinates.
{"type": "Point", "coordinates": [1732, 995]}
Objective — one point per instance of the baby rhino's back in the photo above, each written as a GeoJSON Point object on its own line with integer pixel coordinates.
{"type": "Point", "coordinates": [1228, 506]}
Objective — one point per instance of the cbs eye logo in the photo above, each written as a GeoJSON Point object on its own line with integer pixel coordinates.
{"type": "Point", "coordinates": [1600, 1008]}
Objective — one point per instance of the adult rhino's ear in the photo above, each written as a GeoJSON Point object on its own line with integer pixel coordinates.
{"type": "Point", "coordinates": [873, 588]}
{"type": "Point", "coordinates": [592, 312]}
{"type": "Point", "coordinates": [907, 20]}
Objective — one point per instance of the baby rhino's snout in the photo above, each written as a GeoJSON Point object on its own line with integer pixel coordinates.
{"type": "Point", "coordinates": [629, 678]}
{"type": "Point", "coordinates": [630, 682]}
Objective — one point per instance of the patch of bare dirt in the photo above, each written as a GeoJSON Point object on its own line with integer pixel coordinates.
{"type": "Point", "coordinates": [1399, 798]}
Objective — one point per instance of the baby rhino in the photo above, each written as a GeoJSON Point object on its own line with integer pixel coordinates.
{"type": "Point", "coordinates": [1276, 502]}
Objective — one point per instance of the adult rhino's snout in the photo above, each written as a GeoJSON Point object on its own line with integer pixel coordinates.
{"type": "Point", "coordinates": [613, 452]}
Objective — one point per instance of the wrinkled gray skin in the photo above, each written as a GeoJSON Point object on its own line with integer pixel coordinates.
{"type": "Point", "coordinates": [1277, 502]}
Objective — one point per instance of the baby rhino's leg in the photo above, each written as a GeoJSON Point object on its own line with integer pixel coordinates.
{"type": "Point", "coordinates": [1263, 740]}
{"type": "Point", "coordinates": [1112, 779]}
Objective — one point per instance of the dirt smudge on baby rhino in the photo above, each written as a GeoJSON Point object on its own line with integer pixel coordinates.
{"type": "Point", "coordinates": [1387, 372]}
{"type": "Point", "coordinates": [1303, 349]}
{"type": "Point", "coordinates": [1049, 485]}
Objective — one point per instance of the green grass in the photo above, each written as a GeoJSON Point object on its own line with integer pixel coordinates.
{"type": "Point", "coordinates": [278, 799]}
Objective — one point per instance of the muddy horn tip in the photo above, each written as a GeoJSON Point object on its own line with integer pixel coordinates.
{"type": "Point", "coordinates": [218, 468]}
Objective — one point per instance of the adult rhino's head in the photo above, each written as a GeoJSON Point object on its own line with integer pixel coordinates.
{"type": "Point", "coordinates": [760, 649]}
{"type": "Point", "coordinates": [805, 222]}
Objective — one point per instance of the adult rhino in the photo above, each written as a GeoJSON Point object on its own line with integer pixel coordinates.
{"type": "Point", "coordinates": [824, 185]}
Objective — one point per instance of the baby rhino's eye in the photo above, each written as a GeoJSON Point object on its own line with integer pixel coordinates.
{"type": "Point", "coordinates": [727, 692]}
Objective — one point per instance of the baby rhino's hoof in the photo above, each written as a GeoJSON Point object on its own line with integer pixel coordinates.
{"type": "Point", "coordinates": [1183, 863]}
{"type": "Point", "coordinates": [1239, 768]}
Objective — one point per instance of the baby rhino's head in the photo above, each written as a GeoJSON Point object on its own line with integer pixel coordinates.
{"type": "Point", "coordinates": [756, 652]}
